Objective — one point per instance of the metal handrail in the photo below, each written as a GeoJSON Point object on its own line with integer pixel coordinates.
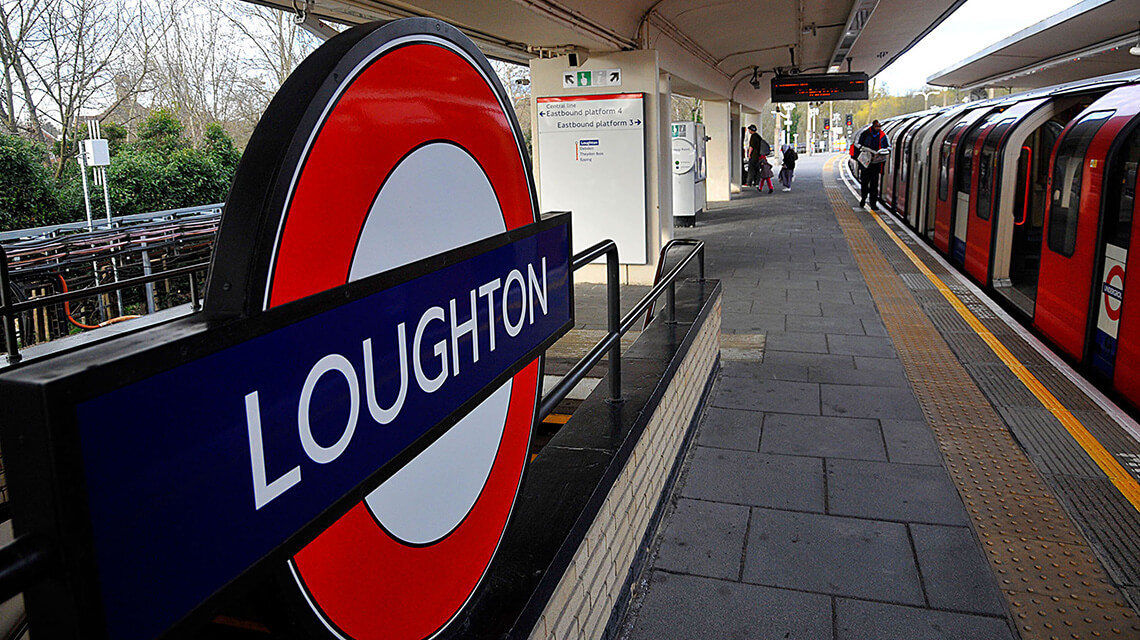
{"type": "Point", "coordinates": [612, 341]}
{"type": "Point", "coordinates": [7, 317]}
{"type": "Point", "coordinates": [677, 242]}
{"type": "Point", "coordinates": [618, 328]}
{"type": "Point", "coordinates": [60, 298]}
{"type": "Point", "coordinates": [9, 309]}
{"type": "Point", "coordinates": [118, 221]}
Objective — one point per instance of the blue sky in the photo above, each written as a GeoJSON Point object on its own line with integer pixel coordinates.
{"type": "Point", "coordinates": [974, 26]}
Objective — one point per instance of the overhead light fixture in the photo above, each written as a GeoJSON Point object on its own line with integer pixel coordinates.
{"type": "Point", "coordinates": [1136, 49]}
{"type": "Point", "coordinates": [755, 79]}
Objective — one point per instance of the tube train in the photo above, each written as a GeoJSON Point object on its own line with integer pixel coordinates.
{"type": "Point", "coordinates": [1033, 196]}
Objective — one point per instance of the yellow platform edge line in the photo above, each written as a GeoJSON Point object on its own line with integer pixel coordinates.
{"type": "Point", "coordinates": [1121, 479]}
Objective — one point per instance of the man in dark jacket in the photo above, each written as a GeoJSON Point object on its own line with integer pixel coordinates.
{"type": "Point", "coordinates": [873, 139]}
{"type": "Point", "coordinates": [757, 148]}
{"type": "Point", "coordinates": [788, 172]}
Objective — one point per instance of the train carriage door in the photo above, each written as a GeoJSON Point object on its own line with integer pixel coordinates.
{"type": "Point", "coordinates": [1070, 236]}
{"type": "Point", "coordinates": [965, 175]}
{"type": "Point", "coordinates": [1021, 199]}
{"type": "Point", "coordinates": [950, 170]}
{"type": "Point", "coordinates": [888, 188]}
{"type": "Point", "coordinates": [903, 198]}
{"type": "Point", "coordinates": [925, 158]}
{"type": "Point", "coordinates": [979, 231]}
{"type": "Point", "coordinates": [942, 205]}
{"type": "Point", "coordinates": [1108, 359]}
{"type": "Point", "coordinates": [898, 162]}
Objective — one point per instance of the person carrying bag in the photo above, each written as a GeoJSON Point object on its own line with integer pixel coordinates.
{"type": "Point", "coordinates": [788, 171]}
{"type": "Point", "coordinates": [874, 148]}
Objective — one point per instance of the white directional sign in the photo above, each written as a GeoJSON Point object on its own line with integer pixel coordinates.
{"type": "Point", "coordinates": [591, 153]}
{"type": "Point", "coordinates": [594, 78]}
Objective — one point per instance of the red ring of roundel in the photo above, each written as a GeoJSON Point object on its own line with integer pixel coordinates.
{"type": "Point", "coordinates": [1113, 314]}
{"type": "Point", "coordinates": [364, 583]}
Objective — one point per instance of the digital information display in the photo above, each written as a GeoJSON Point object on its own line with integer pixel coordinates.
{"type": "Point", "coordinates": [820, 87]}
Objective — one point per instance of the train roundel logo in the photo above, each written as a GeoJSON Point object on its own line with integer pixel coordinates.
{"type": "Point", "coordinates": [1113, 286]}
{"type": "Point", "coordinates": [408, 149]}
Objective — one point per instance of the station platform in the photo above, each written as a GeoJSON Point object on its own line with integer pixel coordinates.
{"type": "Point", "coordinates": [883, 455]}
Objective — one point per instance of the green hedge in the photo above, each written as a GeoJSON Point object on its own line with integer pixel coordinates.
{"type": "Point", "coordinates": [160, 170]}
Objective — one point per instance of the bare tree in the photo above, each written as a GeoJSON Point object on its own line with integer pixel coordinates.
{"type": "Point", "coordinates": [202, 70]}
{"type": "Point", "coordinates": [18, 24]}
{"type": "Point", "coordinates": [516, 80]}
{"type": "Point", "coordinates": [80, 50]}
{"type": "Point", "coordinates": [134, 73]}
{"type": "Point", "coordinates": [207, 60]}
{"type": "Point", "coordinates": [281, 43]}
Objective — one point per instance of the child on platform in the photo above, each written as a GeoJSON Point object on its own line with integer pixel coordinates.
{"type": "Point", "coordinates": [765, 175]}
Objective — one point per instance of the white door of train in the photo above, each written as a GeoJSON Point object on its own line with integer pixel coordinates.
{"type": "Point", "coordinates": [926, 160]}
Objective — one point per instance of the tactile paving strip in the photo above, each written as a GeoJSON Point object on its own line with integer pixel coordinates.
{"type": "Point", "coordinates": [1054, 585]}
{"type": "Point", "coordinates": [1091, 490]}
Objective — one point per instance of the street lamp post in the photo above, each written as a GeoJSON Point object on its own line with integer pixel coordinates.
{"type": "Point", "coordinates": [830, 124]}
{"type": "Point", "coordinates": [926, 98]}
{"type": "Point", "coordinates": [787, 108]}
{"type": "Point", "coordinates": [813, 112]}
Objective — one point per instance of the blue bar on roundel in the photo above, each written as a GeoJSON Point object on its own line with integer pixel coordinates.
{"type": "Point", "coordinates": [242, 448]}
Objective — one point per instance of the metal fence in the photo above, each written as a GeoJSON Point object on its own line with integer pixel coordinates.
{"type": "Point", "coordinates": [56, 281]}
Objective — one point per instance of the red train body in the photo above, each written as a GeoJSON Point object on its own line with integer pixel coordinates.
{"type": "Point", "coordinates": [1033, 196]}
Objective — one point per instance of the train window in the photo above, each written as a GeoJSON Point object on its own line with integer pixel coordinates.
{"type": "Point", "coordinates": [964, 169]}
{"type": "Point", "coordinates": [944, 161]}
{"type": "Point", "coordinates": [987, 164]}
{"type": "Point", "coordinates": [904, 160]}
{"type": "Point", "coordinates": [1066, 186]}
{"type": "Point", "coordinates": [984, 162]}
{"type": "Point", "coordinates": [963, 172]}
{"type": "Point", "coordinates": [1121, 198]}
{"type": "Point", "coordinates": [907, 145]}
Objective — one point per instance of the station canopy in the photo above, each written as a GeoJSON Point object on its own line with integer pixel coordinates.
{"type": "Point", "coordinates": [710, 47]}
{"type": "Point", "coordinates": [1090, 39]}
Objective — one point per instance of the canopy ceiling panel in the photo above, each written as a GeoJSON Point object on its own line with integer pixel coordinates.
{"type": "Point", "coordinates": [1090, 39]}
{"type": "Point", "coordinates": [708, 45]}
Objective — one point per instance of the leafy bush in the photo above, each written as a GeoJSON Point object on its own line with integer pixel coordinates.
{"type": "Point", "coordinates": [27, 194]}
{"type": "Point", "coordinates": [143, 181]}
{"type": "Point", "coordinates": [161, 132]}
{"type": "Point", "coordinates": [162, 170]}
{"type": "Point", "coordinates": [220, 147]}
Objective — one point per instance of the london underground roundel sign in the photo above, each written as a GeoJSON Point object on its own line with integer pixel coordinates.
{"type": "Point", "coordinates": [353, 408]}
{"type": "Point", "coordinates": [405, 148]}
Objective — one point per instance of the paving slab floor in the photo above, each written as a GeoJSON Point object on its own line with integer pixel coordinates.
{"type": "Point", "coordinates": [815, 502]}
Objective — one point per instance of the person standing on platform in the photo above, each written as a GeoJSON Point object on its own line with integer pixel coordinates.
{"type": "Point", "coordinates": [788, 171]}
{"type": "Point", "coordinates": [758, 148]}
{"type": "Point", "coordinates": [765, 175]}
{"type": "Point", "coordinates": [868, 147]}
